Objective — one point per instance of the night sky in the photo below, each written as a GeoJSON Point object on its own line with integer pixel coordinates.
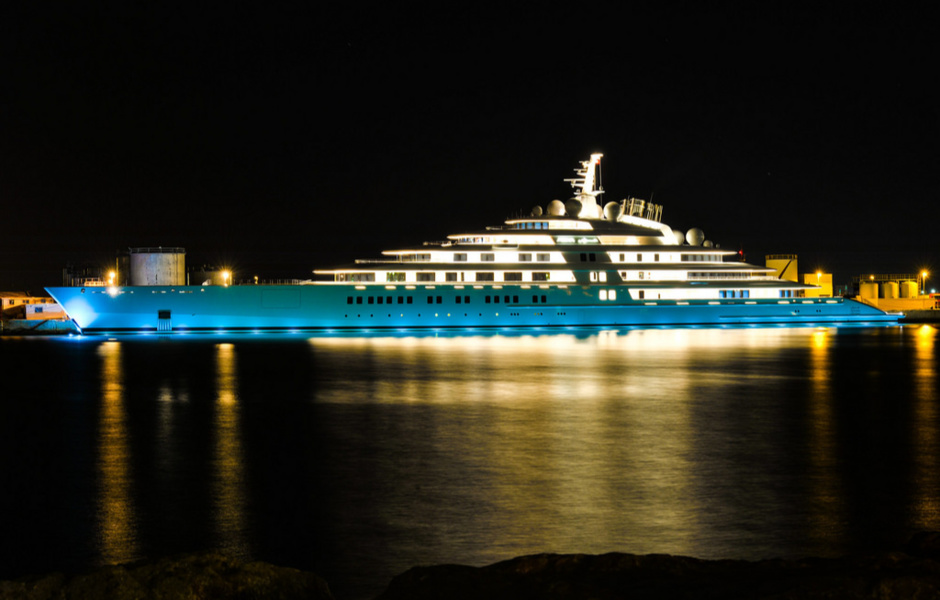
{"type": "Point", "coordinates": [281, 138]}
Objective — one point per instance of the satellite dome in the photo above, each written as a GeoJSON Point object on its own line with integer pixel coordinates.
{"type": "Point", "coordinates": [612, 211]}
{"type": "Point", "coordinates": [695, 237]}
{"type": "Point", "coordinates": [573, 207]}
{"type": "Point", "coordinates": [556, 208]}
{"type": "Point", "coordinates": [708, 244]}
{"type": "Point", "coordinates": [680, 237]}
{"type": "Point", "coordinates": [536, 211]}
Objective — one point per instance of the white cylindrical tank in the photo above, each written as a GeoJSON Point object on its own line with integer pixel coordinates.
{"type": "Point", "coordinates": [157, 266]}
{"type": "Point", "coordinates": [868, 290]}
{"type": "Point", "coordinates": [909, 289]}
{"type": "Point", "coordinates": [890, 289]}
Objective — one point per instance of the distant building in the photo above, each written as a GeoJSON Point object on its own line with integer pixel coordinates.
{"type": "Point", "coordinates": [823, 280]}
{"type": "Point", "coordinates": [16, 305]}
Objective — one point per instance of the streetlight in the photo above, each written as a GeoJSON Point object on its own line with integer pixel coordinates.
{"type": "Point", "coordinates": [225, 278]}
{"type": "Point", "coordinates": [923, 280]}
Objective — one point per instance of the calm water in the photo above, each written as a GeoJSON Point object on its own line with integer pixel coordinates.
{"type": "Point", "coordinates": [358, 457]}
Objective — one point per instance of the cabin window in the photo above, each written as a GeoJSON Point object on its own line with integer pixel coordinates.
{"type": "Point", "coordinates": [539, 276]}
{"type": "Point", "coordinates": [460, 257]}
{"type": "Point", "coordinates": [612, 294]}
{"type": "Point", "coordinates": [362, 277]}
{"type": "Point", "coordinates": [425, 276]}
{"type": "Point", "coordinates": [349, 299]}
{"type": "Point", "coordinates": [656, 258]}
{"type": "Point", "coordinates": [439, 300]}
{"type": "Point", "coordinates": [543, 257]}
{"type": "Point", "coordinates": [487, 301]}
{"type": "Point", "coordinates": [466, 299]}
{"type": "Point", "coordinates": [410, 300]}
{"type": "Point", "coordinates": [487, 276]}
{"type": "Point", "coordinates": [603, 294]}
{"type": "Point", "coordinates": [513, 276]}
{"type": "Point", "coordinates": [639, 258]}
{"type": "Point", "coordinates": [380, 300]}
{"type": "Point", "coordinates": [487, 257]}
{"type": "Point", "coordinates": [359, 300]}
{"type": "Point", "coordinates": [393, 277]}
{"type": "Point", "coordinates": [430, 299]}
{"type": "Point", "coordinates": [641, 294]}
{"type": "Point", "coordinates": [371, 300]}
{"type": "Point", "coordinates": [450, 277]}
{"type": "Point", "coordinates": [525, 257]}
{"type": "Point", "coordinates": [458, 299]}
{"type": "Point", "coordinates": [401, 299]}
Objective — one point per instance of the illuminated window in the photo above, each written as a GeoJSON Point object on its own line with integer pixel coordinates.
{"type": "Point", "coordinates": [612, 294]}
{"type": "Point", "coordinates": [603, 294]}
{"type": "Point", "coordinates": [394, 277]}
{"type": "Point", "coordinates": [539, 276]}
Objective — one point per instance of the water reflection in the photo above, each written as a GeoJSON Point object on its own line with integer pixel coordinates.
{"type": "Point", "coordinates": [117, 520]}
{"type": "Point", "coordinates": [926, 508]}
{"type": "Point", "coordinates": [387, 452]}
{"type": "Point", "coordinates": [826, 498]}
{"type": "Point", "coordinates": [228, 478]}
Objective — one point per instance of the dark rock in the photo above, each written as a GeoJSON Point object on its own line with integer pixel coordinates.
{"type": "Point", "coordinates": [661, 577]}
{"type": "Point", "coordinates": [194, 577]}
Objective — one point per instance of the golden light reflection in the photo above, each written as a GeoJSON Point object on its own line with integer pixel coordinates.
{"type": "Point", "coordinates": [828, 499]}
{"type": "Point", "coordinates": [557, 446]}
{"type": "Point", "coordinates": [228, 479]}
{"type": "Point", "coordinates": [926, 443]}
{"type": "Point", "coordinates": [116, 515]}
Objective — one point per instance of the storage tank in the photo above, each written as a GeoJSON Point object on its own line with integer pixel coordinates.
{"type": "Point", "coordinates": [157, 266]}
{"type": "Point", "coordinates": [784, 264]}
{"type": "Point", "coordinates": [890, 289]}
{"type": "Point", "coordinates": [909, 289]}
{"type": "Point", "coordinates": [868, 290]}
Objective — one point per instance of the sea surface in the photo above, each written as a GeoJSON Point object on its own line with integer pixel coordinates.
{"type": "Point", "coordinates": [358, 457]}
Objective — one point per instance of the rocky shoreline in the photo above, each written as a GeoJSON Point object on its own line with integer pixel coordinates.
{"type": "Point", "coordinates": [910, 573]}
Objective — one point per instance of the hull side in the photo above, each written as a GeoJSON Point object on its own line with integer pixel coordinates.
{"type": "Point", "coordinates": [330, 306]}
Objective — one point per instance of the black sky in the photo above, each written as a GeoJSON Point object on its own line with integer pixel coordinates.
{"type": "Point", "coordinates": [280, 138]}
